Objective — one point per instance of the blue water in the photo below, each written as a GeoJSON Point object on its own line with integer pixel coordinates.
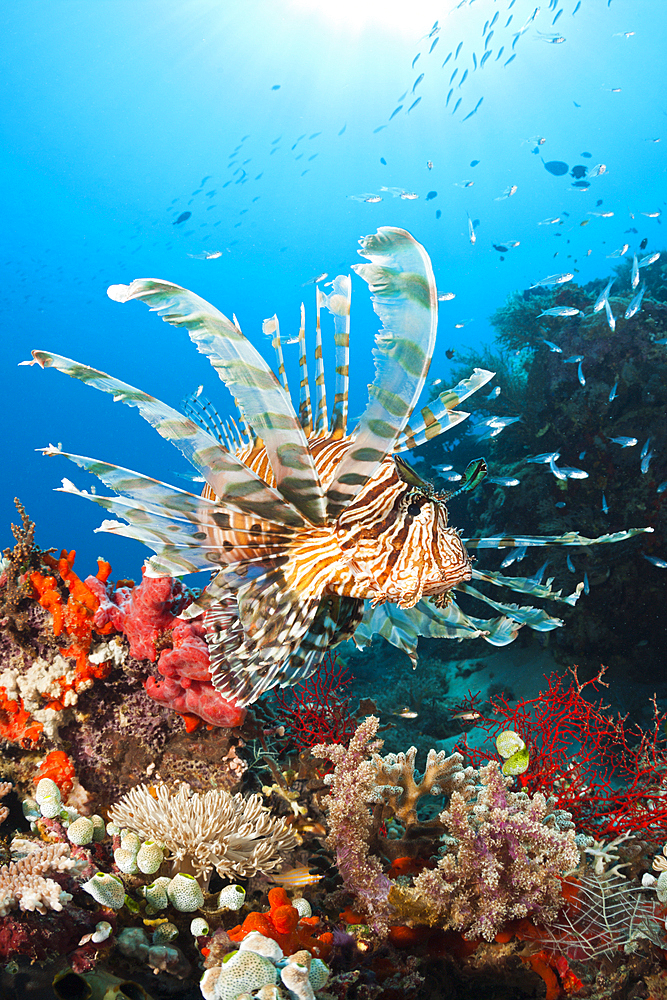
{"type": "Point", "coordinates": [112, 112]}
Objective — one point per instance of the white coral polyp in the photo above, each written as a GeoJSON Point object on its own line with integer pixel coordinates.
{"type": "Point", "coordinates": [205, 830]}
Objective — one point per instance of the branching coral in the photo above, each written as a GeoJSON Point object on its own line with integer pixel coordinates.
{"type": "Point", "coordinates": [504, 856]}
{"type": "Point", "coordinates": [23, 883]}
{"type": "Point", "coordinates": [504, 852]}
{"type": "Point", "coordinates": [231, 833]}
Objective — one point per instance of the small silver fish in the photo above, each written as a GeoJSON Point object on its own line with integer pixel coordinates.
{"type": "Point", "coordinates": [314, 281]}
{"type": "Point", "coordinates": [561, 311]}
{"type": "Point", "coordinates": [634, 278]}
{"type": "Point", "coordinates": [636, 303]}
{"type": "Point", "coordinates": [660, 563]}
{"type": "Point", "coordinates": [554, 348]}
{"type": "Point", "coordinates": [206, 255]}
{"type": "Point", "coordinates": [502, 481]}
{"type": "Point", "coordinates": [580, 375]}
{"type": "Point", "coordinates": [451, 477]}
{"type": "Point", "coordinates": [649, 259]}
{"type": "Point", "coordinates": [409, 195]}
{"type": "Point", "coordinates": [471, 232]}
{"type": "Point", "coordinates": [575, 359]}
{"type": "Point", "coordinates": [652, 215]}
{"type": "Point", "coordinates": [443, 468]}
{"type": "Point", "coordinates": [550, 222]}
{"type": "Point", "coordinates": [553, 279]}
{"type": "Point", "coordinates": [619, 253]}
{"type": "Point", "coordinates": [558, 473]}
{"type": "Point", "coordinates": [373, 199]}
{"type": "Point", "coordinates": [507, 193]}
{"type": "Point", "coordinates": [646, 461]}
{"type": "Point", "coordinates": [598, 170]}
{"type": "Point", "coordinates": [406, 713]}
{"type": "Point", "coordinates": [625, 442]}
{"type": "Point", "coordinates": [611, 319]}
{"type": "Point", "coordinates": [446, 296]}
{"type": "Point", "coordinates": [645, 447]}
{"type": "Point", "coordinates": [571, 473]}
{"type": "Point", "coordinates": [544, 458]}
{"type": "Point", "coordinates": [515, 555]}
{"type": "Point", "coordinates": [602, 215]}
{"type": "Point", "coordinates": [613, 393]}
{"type": "Point", "coordinates": [495, 392]}
{"type": "Point", "coordinates": [468, 715]}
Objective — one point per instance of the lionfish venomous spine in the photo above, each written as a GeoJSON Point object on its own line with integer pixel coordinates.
{"type": "Point", "coordinates": [315, 534]}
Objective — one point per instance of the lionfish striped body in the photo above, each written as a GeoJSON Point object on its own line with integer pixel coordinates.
{"type": "Point", "coordinates": [315, 535]}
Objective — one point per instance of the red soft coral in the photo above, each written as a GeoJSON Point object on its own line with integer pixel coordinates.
{"type": "Point", "coordinates": [282, 924]}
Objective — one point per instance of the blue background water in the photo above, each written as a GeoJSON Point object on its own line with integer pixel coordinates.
{"type": "Point", "coordinates": [112, 112]}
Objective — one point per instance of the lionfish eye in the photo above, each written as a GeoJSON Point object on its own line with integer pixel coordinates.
{"type": "Point", "coordinates": [415, 506]}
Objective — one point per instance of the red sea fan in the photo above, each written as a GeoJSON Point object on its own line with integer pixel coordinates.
{"type": "Point", "coordinates": [318, 710]}
{"type": "Point", "coordinates": [610, 775]}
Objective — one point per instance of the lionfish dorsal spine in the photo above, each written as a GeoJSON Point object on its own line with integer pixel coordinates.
{"type": "Point", "coordinates": [442, 416]}
{"type": "Point", "coordinates": [321, 417]}
{"type": "Point", "coordinates": [260, 397]}
{"type": "Point", "coordinates": [338, 302]}
{"type": "Point", "coordinates": [404, 296]}
{"type": "Point", "coordinates": [269, 326]}
{"type": "Point", "coordinates": [305, 406]}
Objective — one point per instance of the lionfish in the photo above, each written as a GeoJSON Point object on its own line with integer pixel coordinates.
{"type": "Point", "coordinates": [315, 535]}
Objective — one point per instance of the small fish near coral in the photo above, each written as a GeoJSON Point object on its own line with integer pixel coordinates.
{"type": "Point", "coordinates": [316, 534]}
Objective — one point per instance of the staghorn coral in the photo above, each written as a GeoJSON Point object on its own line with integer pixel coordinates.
{"type": "Point", "coordinates": [504, 856]}
{"type": "Point", "coordinates": [23, 884]}
{"type": "Point", "coordinates": [231, 833]}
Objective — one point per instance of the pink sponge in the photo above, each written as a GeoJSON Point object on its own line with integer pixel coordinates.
{"type": "Point", "coordinates": [144, 614]}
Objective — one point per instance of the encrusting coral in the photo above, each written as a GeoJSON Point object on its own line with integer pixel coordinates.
{"type": "Point", "coordinates": [234, 834]}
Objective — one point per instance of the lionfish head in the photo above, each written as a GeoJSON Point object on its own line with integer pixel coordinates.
{"type": "Point", "coordinates": [396, 534]}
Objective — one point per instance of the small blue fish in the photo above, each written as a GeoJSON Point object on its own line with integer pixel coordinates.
{"type": "Point", "coordinates": [458, 49]}
{"type": "Point", "coordinates": [511, 58]}
{"type": "Point", "coordinates": [613, 393]}
{"type": "Point", "coordinates": [662, 487]}
{"type": "Point", "coordinates": [446, 61]}
{"type": "Point", "coordinates": [605, 505]}
{"type": "Point", "coordinates": [474, 110]}
{"type": "Point", "coordinates": [502, 49]}
{"type": "Point", "coordinates": [570, 565]}
{"type": "Point", "coordinates": [646, 461]}
{"type": "Point", "coordinates": [449, 96]}
{"type": "Point", "coordinates": [587, 586]}
{"type": "Point", "coordinates": [580, 374]}
{"type": "Point", "coordinates": [463, 79]}
{"type": "Point", "coordinates": [574, 360]}
{"type": "Point", "coordinates": [560, 505]}
{"type": "Point", "coordinates": [553, 347]}
{"type": "Point", "coordinates": [395, 112]}
{"type": "Point", "coordinates": [433, 44]}
{"type": "Point", "coordinates": [417, 82]}
{"type": "Point", "coordinates": [495, 392]}
{"type": "Point", "coordinates": [456, 106]}
{"type": "Point", "coordinates": [625, 442]}
{"type": "Point", "coordinates": [501, 481]}
{"type": "Point", "coordinates": [660, 563]}
{"type": "Point", "coordinates": [645, 448]}
{"type": "Point", "coordinates": [413, 105]}
{"type": "Point", "coordinates": [415, 59]}
{"type": "Point", "coordinates": [634, 278]}
{"type": "Point", "coordinates": [582, 456]}
{"type": "Point", "coordinates": [474, 59]}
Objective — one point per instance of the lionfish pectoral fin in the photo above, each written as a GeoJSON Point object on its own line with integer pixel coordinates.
{"type": "Point", "coordinates": [231, 480]}
{"type": "Point", "coordinates": [260, 396]}
{"type": "Point", "coordinates": [569, 538]}
{"type": "Point", "coordinates": [404, 295]}
{"type": "Point", "coordinates": [534, 618]}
